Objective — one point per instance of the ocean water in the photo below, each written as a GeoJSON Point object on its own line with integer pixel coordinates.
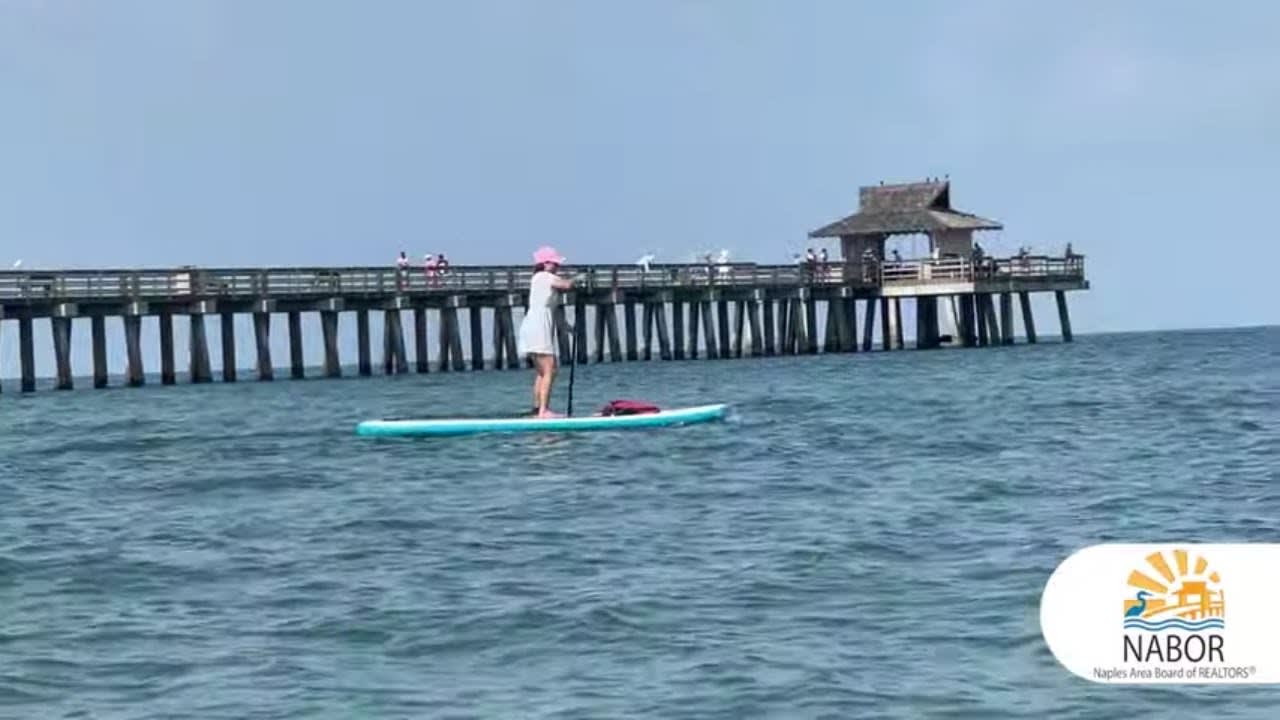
{"type": "Point", "coordinates": [867, 536]}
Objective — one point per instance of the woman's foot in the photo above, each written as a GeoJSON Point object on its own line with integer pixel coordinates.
{"type": "Point", "coordinates": [544, 414]}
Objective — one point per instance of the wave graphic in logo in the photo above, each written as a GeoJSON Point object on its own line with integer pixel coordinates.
{"type": "Point", "coordinates": [1174, 624]}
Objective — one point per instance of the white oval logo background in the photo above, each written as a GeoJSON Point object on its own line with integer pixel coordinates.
{"type": "Point", "coordinates": [1216, 607]}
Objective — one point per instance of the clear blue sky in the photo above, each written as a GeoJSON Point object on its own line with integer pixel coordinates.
{"type": "Point", "coordinates": [240, 132]}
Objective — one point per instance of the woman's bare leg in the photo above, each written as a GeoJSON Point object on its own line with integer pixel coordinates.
{"type": "Point", "coordinates": [537, 382]}
{"type": "Point", "coordinates": [546, 373]}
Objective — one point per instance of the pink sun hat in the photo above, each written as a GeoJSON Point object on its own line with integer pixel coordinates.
{"type": "Point", "coordinates": [547, 254]}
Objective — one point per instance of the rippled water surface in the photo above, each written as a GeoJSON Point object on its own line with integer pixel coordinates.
{"type": "Point", "coordinates": [868, 536]}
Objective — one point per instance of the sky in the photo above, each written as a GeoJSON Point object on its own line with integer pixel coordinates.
{"type": "Point", "coordinates": [243, 133]}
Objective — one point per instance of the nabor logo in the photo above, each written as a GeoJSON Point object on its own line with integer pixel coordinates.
{"type": "Point", "coordinates": [1175, 607]}
{"type": "Point", "coordinates": [1159, 613]}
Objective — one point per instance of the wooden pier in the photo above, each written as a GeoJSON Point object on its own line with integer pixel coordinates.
{"type": "Point", "coordinates": [668, 312]}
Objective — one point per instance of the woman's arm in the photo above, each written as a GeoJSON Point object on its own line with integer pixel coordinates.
{"type": "Point", "coordinates": [560, 283]}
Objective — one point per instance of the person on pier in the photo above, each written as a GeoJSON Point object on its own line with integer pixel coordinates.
{"type": "Point", "coordinates": [537, 330]}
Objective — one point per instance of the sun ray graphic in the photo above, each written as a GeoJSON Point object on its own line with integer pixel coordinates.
{"type": "Point", "coordinates": [1186, 591]}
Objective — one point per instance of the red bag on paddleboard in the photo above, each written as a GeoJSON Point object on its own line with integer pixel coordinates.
{"type": "Point", "coordinates": [628, 407]}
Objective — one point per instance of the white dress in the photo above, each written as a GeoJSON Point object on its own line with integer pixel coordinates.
{"type": "Point", "coordinates": [537, 329]}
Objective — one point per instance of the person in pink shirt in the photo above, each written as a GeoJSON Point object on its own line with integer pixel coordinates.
{"type": "Point", "coordinates": [429, 267]}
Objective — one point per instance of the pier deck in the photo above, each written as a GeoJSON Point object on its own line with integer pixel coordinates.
{"type": "Point", "coordinates": [776, 308]}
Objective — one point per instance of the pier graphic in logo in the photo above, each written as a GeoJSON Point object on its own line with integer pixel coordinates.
{"type": "Point", "coordinates": [1183, 595]}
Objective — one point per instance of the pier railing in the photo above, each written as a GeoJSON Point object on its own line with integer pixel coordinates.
{"type": "Point", "coordinates": [249, 283]}
{"type": "Point", "coordinates": [949, 270]}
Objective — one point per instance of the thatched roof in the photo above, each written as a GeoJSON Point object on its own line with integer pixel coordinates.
{"type": "Point", "coordinates": [905, 209]}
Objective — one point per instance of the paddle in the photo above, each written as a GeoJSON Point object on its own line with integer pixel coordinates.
{"type": "Point", "coordinates": [573, 363]}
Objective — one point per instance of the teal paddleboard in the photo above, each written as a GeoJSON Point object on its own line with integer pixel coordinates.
{"type": "Point", "coordinates": [463, 426]}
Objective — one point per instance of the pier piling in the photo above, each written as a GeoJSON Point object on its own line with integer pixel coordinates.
{"type": "Point", "coordinates": [994, 331]}
{"type": "Point", "coordinates": [709, 331]}
{"type": "Point", "coordinates": [968, 320]}
{"type": "Point", "coordinates": [831, 334]}
{"type": "Point", "coordinates": [725, 341]}
{"type": "Point", "coordinates": [450, 340]}
{"type": "Point", "coordinates": [477, 337]}
{"type": "Point", "coordinates": [329, 322]}
{"type": "Point", "coordinates": [262, 338]}
{"type": "Point", "coordinates": [395, 361]}
{"type": "Point", "coordinates": [297, 368]}
{"type": "Point", "coordinates": [811, 325]}
{"type": "Point", "coordinates": [509, 339]}
{"type": "Point", "coordinates": [1006, 318]}
{"type": "Point", "coordinates": [560, 319]}
{"type": "Point", "coordinates": [98, 328]}
{"type": "Point", "coordinates": [677, 329]}
{"type": "Point", "coordinates": [897, 324]}
{"type": "Point", "coordinates": [134, 375]}
{"type": "Point", "coordinates": [201, 371]}
{"type": "Point", "coordinates": [364, 360]}
{"type": "Point", "coordinates": [629, 327]}
{"type": "Point", "coordinates": [1064, 317]}
{"type": "Point", "coordinates": [851, 316]}
{"type": "Point", "coordinates": [782, 314]}
{"type": "Point", "coordinates": [420, 355]}
{"type": "Point", "coordinates": [770, 346]}
{"type": "Point", "coordinates": [739, 327]}
{"type": "Point", "coordinates": [599, 332]}
{"type": "Point", "coordinates": [799, 321]}
{"type": "Point", "coordinates": [868, 326]}
{"type": "Point", "coordinates": [980, 310]}
{"type": "Point", "coordinates": [228, 347]}
{"type": "Point", "coordinates": [499, 340]}
{"type": "Point", "coordinates": [886, 323]}
{"type": "Point", "coordinates": [694, 310]}
{"type": "Point", "coordinates": [61, 327]}
{"type": "Point", "coordinates": [611, 330]}
{"type": "Point", "coordinates": [647, 322]}
{"type": "Point", "coordinates": [168, 369]}
{"type": "Point", "coordinates": [757, 339]}
{"type": "Point", "coordinates": [580, 330]}
{"type": "Point", "coordinates": [1028, 321]}
{"type": "Point", "coordinates": [927, 331]}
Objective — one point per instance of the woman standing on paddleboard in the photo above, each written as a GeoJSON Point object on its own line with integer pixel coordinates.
{"type": "Point", "coordinates": [537, 329]}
